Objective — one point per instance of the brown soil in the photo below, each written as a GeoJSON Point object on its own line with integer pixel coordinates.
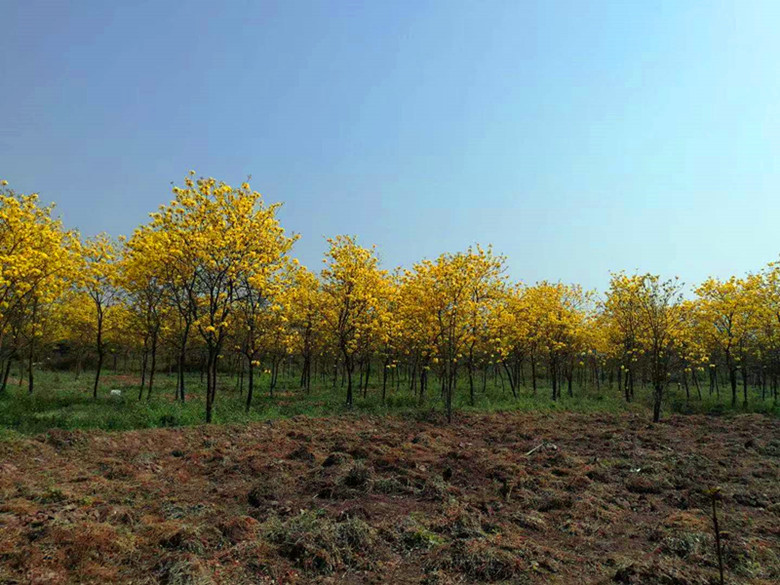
{"type": "Point", "coordinates": [605, 499]}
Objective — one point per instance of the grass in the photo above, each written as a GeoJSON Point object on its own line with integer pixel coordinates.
{"type": "Point", "coordinates": [63, 401]}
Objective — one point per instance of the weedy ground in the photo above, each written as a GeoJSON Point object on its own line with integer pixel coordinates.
{"type": "Point", "coordinates": [61, 400]}
{"type": "Point", "coordinates": [545, 497]}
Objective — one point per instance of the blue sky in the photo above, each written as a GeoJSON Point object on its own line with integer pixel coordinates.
{"type": "Point", "coordinates": [576, 137]}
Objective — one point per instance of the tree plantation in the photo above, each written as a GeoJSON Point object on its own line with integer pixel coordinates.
{"type": "Point", "coordinates": [209, 285]}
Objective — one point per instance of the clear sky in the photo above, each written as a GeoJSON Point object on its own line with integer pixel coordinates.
{"type": "Point", "coordinates": [576, 137]}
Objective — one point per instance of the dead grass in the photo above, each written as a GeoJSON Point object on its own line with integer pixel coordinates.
{"type": "Point", "coordinates": [609, 499]}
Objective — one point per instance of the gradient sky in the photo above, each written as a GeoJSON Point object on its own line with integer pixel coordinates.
{"type": "Point", "coordinates": [576, 137]}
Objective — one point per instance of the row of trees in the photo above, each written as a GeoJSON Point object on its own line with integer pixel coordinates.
{"type": "Point", "coordinates": [210, 275]}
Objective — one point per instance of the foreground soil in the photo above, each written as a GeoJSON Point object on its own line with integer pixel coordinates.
{"type": "Point", "coordinates": [516, 498]}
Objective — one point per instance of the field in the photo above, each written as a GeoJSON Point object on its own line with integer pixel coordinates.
{"type": "Point", "coordinates": [63, 400]}
{"type": "Point", "coordinates": [542, 497]}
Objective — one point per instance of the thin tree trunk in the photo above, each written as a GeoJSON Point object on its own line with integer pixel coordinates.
{"type": "Point", "coordinates": [657, 396]}
{"type": "Point", "coordinates": [211, 381]}
{"type": "Point", "coordinates": [695, 376]}
{"type": "Point", "coordinates": [384, 382]}
{"type": "Point", "coordinates": [100, 356]}
{"type": "Point", "coordinates": [348, 368]}
{"type": "Point", "coordinates": [30, 378]}
{"type": "Point", "coordinates": [6, 373]}
{"type": "Point", "coordinates": [144, 359]}
{"type": "Point", "coordinates": [153, 366]}
{"type": "Point", "coordinates": [250, 385]}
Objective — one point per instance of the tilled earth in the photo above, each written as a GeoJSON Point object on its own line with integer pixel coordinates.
{"type": "Point", "coordinates": [514, 498]}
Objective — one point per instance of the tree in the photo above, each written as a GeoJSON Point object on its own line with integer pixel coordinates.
{"type": "Point", "coordinates": [661, 322]}
{"type": "Point", "coordinates": [37, 259]}
{"type": "Point", "coordinates": [454, 293]}
{"type": "Point", "coordinates": [306, 319]}
{"type": "Point", "coordinates": [622, 313]}
{"type": "Point", "coordinates": [216, 240]}
{"type": "Point", "coordinates": [98, 279]}
{"type": "Point", "coordinates": [142, 278]}
{"type": "Point", "coordinates": [351, 283]}
{"type": "Point", "coordinates": [730, 309]}
{"type": "Point", "coordinates": [556, 316]}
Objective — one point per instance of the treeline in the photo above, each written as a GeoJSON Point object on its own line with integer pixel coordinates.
{"type": "Point", "coordinates": [210, 282]}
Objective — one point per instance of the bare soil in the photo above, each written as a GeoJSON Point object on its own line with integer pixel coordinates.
{"type": "Point", "coordinates": [514, 498]}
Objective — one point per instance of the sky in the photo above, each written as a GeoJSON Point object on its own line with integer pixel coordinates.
{"type": "Point", "coordinates": [577, 138]}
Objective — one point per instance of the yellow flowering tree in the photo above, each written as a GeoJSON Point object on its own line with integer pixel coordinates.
{"type": "Point", "coordinates": [351, 284]}
{"type": "Point", "coordinates": [218, 242]}
{"type": "Point", "coordinates": [98, 278]}
{"type": "Point", "coordinates": [730, 310]}
{"type": "Point", "coordinates": [305, 300]}
{"type": "Point", "coordinates": [142, 277]}
{"type": "Point", "coordinates": [454, 294]}
{"type": "Point", "coordinates": [37, 259]}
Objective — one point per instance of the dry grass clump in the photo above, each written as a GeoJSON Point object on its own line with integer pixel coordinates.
{"type": "Point", "coordinates": [414, 535]}
{"type": "Point", "coordinates": [480, 559]}
{"type": "Point", "coordinates": [359, 476]}
{"type": "Point", "coordinates": [317, 544]}
{"type": "Point", "coordinates": [183, 570]}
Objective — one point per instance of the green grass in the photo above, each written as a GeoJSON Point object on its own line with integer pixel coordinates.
{"type": "Point", "coordinates": [63, 401]}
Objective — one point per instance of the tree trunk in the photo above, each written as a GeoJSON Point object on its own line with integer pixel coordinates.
{"type": "Point", "coordinates": [100, 356]}
{"type": "Point", "coordinates": [348, 367]}
{"type": "Point", "coordinates": [512, 381]}
{"type": "Point", "coordinates": [450, 379]}
{"type": "Point", "coordinates": [695, 377]}
{"type": "Point", "coordinates": [384, 382]}
{"type": "Point", "coordinates": [6, 373]}
{"type": "Point", "coordinates": [182, 359]}
{"type": "Point", "coordinates": [144, 359]}
{"type": "Point", "coordinates": [30, 379]}
{"type": "Point", "coordinates": [657, 396]}
{"type": "Point", "coordinates": [211, 380]}
{"type": "Point", "coordinates": [250, 385]}
{"type": "Point", "coordinates": [471, 384]}
{"type": "Point", "coordinates": [153, 366]}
